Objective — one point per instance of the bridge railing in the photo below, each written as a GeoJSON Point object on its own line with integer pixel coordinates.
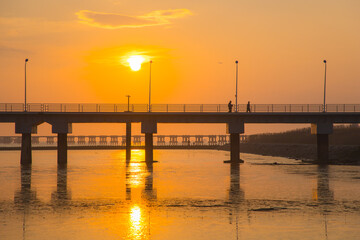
{"type": "Point", "coordinates": [92, 107]}
{"type": "Point", "coordinates": [111, 140]}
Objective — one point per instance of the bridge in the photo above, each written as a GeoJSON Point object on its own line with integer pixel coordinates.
{"type": "Point", "coordinates": [61, 116]}
{"type": "Point", "coordinates": [119, 142]}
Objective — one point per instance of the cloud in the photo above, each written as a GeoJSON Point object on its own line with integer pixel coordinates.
{"type": "Point", "coordinates": [116, 21]}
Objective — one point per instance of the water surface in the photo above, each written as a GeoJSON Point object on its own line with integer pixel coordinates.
{"type": "Point", "coordinates": [188, 194]}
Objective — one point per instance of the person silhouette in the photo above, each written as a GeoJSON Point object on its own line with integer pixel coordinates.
{"type": "Point", "coordinates": [230, 105]}
{"type": "Point", "coordinates": [248, 109]}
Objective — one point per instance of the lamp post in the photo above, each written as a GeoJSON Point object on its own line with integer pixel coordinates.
{"type": "Point", "coordinates": [26, 60]}
{"type": "Point", "coordinates": [324, 108]}
{"type": "Point", "coordinates": [150, 87]}
{"type": "Point", "coordinates": [236, 94]}
{"type": "Point", "coordinates": [128, 96]}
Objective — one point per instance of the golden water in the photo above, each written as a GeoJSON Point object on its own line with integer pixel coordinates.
{"type": "Point", "coordinates": [186, 195]}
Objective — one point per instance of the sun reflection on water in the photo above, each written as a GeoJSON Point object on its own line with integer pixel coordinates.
{"type": "Point", "coordinates": [138, 225]}
{"type": "Point", "coordinates": [135, 169]}
{"type": "Point", "coordinates": [135, 215]}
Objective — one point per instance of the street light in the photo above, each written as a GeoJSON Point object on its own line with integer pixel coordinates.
{"type": "Point", "coordinates": [26, 60]}
{"type": "Point", "coordinates": [236, 94]}
{"type": "Point", "coordinates": [324, 108]}
{"type": "Point", "coordinates": [150, 87]}
{"type": "Point", "coordinates": [128, 96]}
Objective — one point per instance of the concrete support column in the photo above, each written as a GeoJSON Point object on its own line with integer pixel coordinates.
{"type": "Point", "coordinates": [322, 131]}
{"type": "Point", "coordinates": [62, 149]}
{"type": "Point", "coordinates": [62, 129]}
{"type": "Point", "coordinates": [322, 148]}
{"type": "Point", "coordinates": [128, 141]}
{"type": "Point", "coordinates": [26, 156]}
{"type": "Point", "coordinates": [26, 128]}
{"type": "Point", "coordinates": [234, 147]}
{"type": "Point", "coordinates": [149, 147]}
{"type": "Point", "coordinates": [235, 128]}
{"type": "Point", "coordinates": [149, 128]}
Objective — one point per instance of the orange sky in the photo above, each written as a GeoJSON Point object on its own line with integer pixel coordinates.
{"type": "Point", "coordinates": [75, 50]}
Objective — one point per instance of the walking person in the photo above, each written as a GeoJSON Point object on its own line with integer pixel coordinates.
{"type": "Point", "coordinates": [230, 105]}
{"type": "Point", "coordinates": [248, 109]}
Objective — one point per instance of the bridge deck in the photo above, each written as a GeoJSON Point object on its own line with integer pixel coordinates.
{"type": "Point", "coordinates": [180, 117]}
{"type": "Point", "coordinates": [79, 107]}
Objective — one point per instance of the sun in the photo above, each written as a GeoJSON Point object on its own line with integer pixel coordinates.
{"type": "Point", "coordinates": [135, 62]}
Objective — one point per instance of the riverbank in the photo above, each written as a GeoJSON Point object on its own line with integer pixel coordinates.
{"type": "Point", "coordinates": [339, 154]}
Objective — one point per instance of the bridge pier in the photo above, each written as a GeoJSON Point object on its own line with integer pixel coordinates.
{"type": "Point", "coordinates": [128, 141]}
{"type": "Point", "coordinates": [322, 131]}
{"type": "Point", "coordinates": [26, 155]}
{"type": "Point", "coordinates": [149, 147]}
{"type": "Point", "coordinates": [235, 128]}
{"type": "Point", "coordinates": [26, 129]}
{"type": "Point", "coordinates": [62, 148]}
{"type": "Point", "coordinates": [149, 128]}
{"type": "Point", "coordinates": [322, 141]}
{"type": "Point", "coordinates": [62, 129]}
{"type": "Point", "coordinates": [234, 147]}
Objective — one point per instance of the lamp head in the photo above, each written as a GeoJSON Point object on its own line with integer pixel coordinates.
{"type": "Point", "coordinates": [26, 60]}
{"type": "Point", "coordinates": [236, 61]}
{"type": "Point", "coordinates": [324, 61]}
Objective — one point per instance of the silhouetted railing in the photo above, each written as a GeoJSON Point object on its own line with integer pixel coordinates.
{"type": "Point", "coordinates": [136, 140]}
{"type": "Point", "coordinates": [88, 107]}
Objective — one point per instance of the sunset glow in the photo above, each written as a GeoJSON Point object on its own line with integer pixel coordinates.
{"type": "Point", "coordinates": [102, 53]}
{"type": "Point", "coordinates": [172, 120]}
